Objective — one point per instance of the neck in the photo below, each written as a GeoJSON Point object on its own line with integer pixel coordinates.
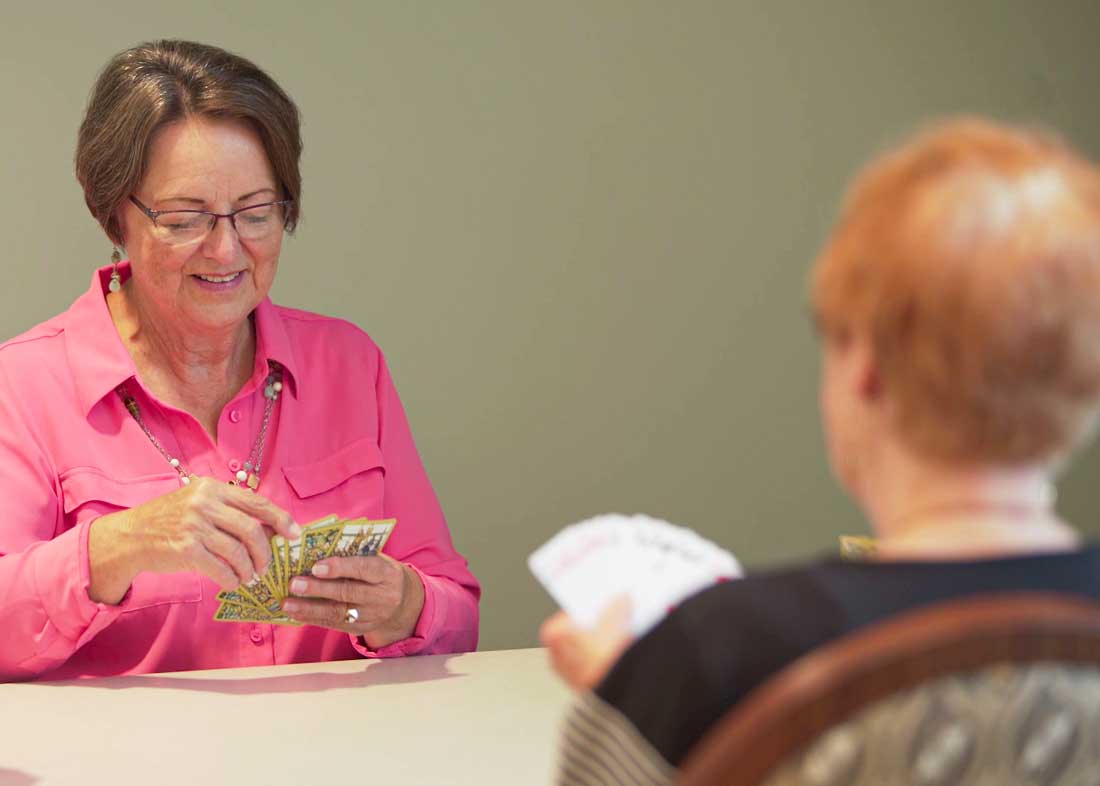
{"type": "Point", "coordinates": [928, 509]}
{"type": "Point", "coordinates": [198, 371]}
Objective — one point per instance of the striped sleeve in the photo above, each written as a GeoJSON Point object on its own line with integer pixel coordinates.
{"type": "Point", "coordinates": [598, 746]}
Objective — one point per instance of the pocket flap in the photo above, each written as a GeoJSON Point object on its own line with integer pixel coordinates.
{"type": "Point", "coordinates": [329, 472]}
{"type": "Point", "coordinates": [85, 484]}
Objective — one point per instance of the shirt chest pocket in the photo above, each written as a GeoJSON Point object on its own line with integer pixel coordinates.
{"type": "Point", "coordinates": [351, 483]}
{"type": "Point", "coordinates": [88, 494]}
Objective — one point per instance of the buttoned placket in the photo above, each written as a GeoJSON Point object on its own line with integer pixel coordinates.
{"type": "Point", "coordinates": [233, 439]}
{"type": "Point", "coordinates": [237, 431]}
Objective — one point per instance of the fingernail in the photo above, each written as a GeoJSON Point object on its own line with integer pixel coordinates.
{"type": "Point", "coordinates": [295, 530]}
{"type": "Point", "coordinates": [290, 605]}
{"type": "Point", "coordinates": [298, 586]}
{"type": "Point", "coordinates": [254, 579]}
{"type": "Point", "coordinates": [320, 570]}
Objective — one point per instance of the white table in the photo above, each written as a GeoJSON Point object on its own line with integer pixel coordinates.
{"type": "Point", "coordinates": [480, 718]}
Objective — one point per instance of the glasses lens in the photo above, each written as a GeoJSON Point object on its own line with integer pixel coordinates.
{"type": "Point", "coordinates": [182, 226]}
{"type": "Point", "coordinates": [254, 223]}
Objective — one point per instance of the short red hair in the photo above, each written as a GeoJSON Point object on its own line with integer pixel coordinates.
{"type": "Point", "coordinates": [970, 257]}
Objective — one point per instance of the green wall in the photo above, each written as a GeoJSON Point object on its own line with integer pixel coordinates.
{"type": "Point", "coordinates": [580, 230]}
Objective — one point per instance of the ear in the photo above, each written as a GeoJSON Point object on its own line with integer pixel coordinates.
{"type": "Point", "coordinates": [121, 217]}
{"type": "Point", "coordinates": [868, 379]}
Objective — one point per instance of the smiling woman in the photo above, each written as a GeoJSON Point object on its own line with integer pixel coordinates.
{"type": "Point", "coordinates": [174, 419]}
{"type": "Point", "coordinates": [193, 273]}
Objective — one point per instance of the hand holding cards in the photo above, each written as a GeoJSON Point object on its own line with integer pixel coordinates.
{"type": "Point", "coordinates": [656, 564]}
{"type": "Point", "coordinates": [261, 599]}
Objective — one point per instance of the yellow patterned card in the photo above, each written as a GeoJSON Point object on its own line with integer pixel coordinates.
{"type": "Point", "coordinates": [260, 600]}
{"type": "Point", "coordinates": [857, 547]}
{"type": "Point", "coordinates": [235, 612]}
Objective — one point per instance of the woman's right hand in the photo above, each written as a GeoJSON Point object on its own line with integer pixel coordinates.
{"type": "Point", "coordinates": [207, 526]}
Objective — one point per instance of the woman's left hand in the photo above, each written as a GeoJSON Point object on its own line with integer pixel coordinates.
{"type": "Point", "coordinates": [582, 656]}
{"type": "Point", "coordinates": [386, 596]}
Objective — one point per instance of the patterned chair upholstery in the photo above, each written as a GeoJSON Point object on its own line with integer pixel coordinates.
{"type": "Point", "coordinates": [999, 690]}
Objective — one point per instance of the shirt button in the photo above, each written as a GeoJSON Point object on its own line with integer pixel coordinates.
{"type": "Point", "coordinates": [257, 636]}
{"type": "Point", "coordinates": [234, 465]}
{"type": "Point", "coordinates": [235, 416]}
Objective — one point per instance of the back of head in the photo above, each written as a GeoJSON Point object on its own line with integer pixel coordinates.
{"type": "Point", "coordinates": [151, 85]}
{"type": "Point", "coordinates": [970, 258]}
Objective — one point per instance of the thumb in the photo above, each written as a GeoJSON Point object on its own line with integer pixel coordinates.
{"type": "Point", "coordinates": [614, 621]}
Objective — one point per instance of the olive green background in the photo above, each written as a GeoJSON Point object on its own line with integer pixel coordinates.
{"type": "Point", "coordinates": [580, 230]}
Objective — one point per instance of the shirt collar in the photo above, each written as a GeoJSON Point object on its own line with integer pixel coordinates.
{"type": "Point", "coordinates": [98, 360]}
{"type": "Point", "coordinates": [100, 363]}
{"type": "Point", "coordinates": [273, 343]}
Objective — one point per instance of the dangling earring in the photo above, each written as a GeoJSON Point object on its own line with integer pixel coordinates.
{"type": "Point", "coordinates": [116, 280]}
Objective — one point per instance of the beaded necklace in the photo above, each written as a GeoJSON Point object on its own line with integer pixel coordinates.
{"type": "Point", "coordinates": [249, 475]}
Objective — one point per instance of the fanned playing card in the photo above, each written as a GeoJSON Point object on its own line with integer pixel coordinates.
{"type": "Point", "coordinates": [362, 538]}
{"type": "Point", "coordinates": [234, 612]}
{"type": "Point", "coordinates": [260, 600]}
{"type": "Point", "coordinates": [238, 597]}
{"type": "Point", "coordinates": [277, 569]}
{"type": "Point", "coordinates": [656, 564]}
{"type": "Point", "coordinates": [317, 541]}
{"type": "Point", "coordinates": [260, 592]}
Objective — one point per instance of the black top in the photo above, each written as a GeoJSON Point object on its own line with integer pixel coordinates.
{"type": "Point", "coordinates": [679, 679]}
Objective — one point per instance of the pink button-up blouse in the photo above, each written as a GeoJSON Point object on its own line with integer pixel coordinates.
{"type": "Point", "coordinates": [338, 442]}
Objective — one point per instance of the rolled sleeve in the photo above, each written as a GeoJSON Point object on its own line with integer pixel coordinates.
{"type": "Point", "coordinates": [45, 611]}
{"type": "Point", "coordinates": [47, 614]}
{"type": "Point", "coordinates": [444, 625]}
{"type": "Point", "coordinates": [422, 540]}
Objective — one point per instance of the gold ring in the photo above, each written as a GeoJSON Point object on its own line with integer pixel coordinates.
{"type": "Point", "coordinates": [351, 616]}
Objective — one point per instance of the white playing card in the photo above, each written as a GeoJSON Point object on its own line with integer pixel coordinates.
{"type": "Point", "coordinates": [657, 564]}
{"type": "Point", "coordinates": [591, 554]}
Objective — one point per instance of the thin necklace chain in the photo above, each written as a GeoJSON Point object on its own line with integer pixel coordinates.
{"type": "Point", "coordinates": [249, 475]}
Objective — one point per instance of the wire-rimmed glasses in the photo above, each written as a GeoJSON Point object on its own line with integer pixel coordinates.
{"type": "Point", "coordinates": [253, 222]}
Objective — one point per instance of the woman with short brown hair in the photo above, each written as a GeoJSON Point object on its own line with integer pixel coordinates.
{"type": "Point", "coordinates": [160, 431]}
{"type": "Point", "coordinates": [153, 85]}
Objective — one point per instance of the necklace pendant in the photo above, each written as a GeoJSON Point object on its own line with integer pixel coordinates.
{"type": "Point", "coordinates": [253, 481]}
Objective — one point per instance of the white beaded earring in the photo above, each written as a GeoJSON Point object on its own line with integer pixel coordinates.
{"type": "Point", "coordinates": [116, 280]}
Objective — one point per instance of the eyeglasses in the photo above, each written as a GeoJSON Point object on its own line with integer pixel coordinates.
{"type": "Point", "coordinates": [255, 222]}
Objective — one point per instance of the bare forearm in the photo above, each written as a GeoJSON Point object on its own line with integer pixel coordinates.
{"type": "Point", "coordinates": [110, 559]}
{"type": "Point", "coordinates": [404, 621]}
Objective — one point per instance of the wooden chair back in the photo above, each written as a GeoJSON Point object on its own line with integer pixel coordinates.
{"type": "Point", "coordinates": [961, 661]}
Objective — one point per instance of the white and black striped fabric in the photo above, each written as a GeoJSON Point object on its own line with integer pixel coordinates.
{"type": "Point", "coordinates": [600, 747]}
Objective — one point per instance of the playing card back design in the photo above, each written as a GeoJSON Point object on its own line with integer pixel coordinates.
{"type": "Point", "coordinates": [260, 600]}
